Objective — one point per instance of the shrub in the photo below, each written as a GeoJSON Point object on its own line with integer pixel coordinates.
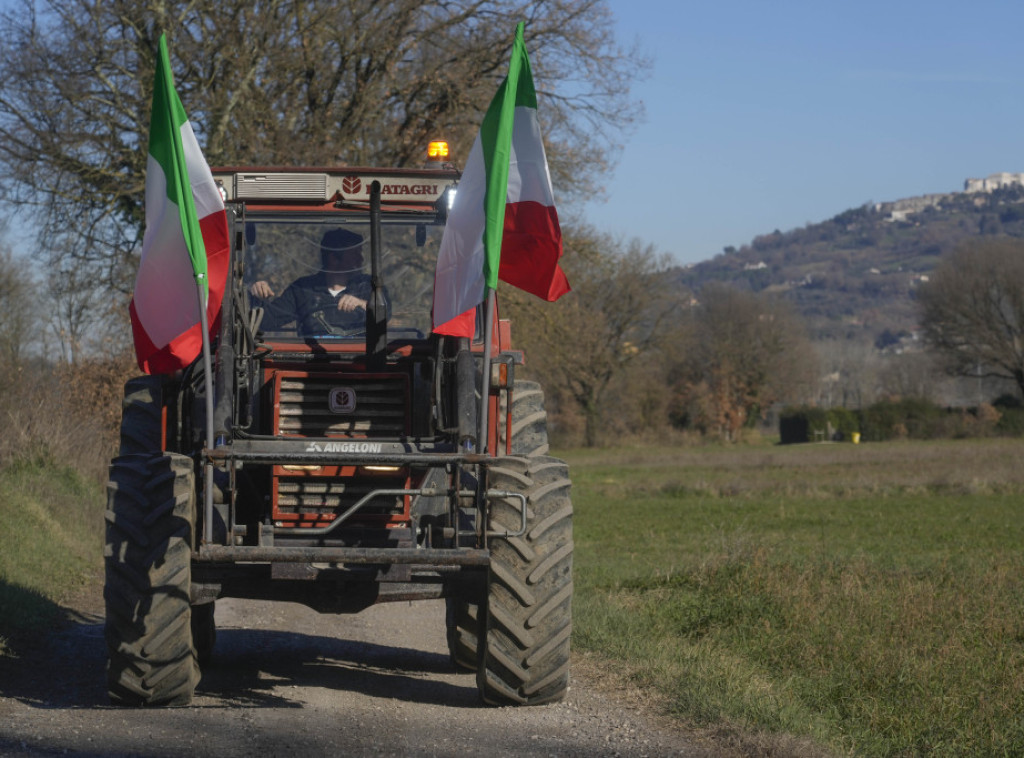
{"type": "Point", "coordinates": [915, 418]}
{"type": "Point", "coordinates": [1011, 422]}
{"type": "Point", "coordinates": [802, 424]}
{"type": "Point", "coordinates": [844, 422]}
{"type": "Point", "coordinates": [65, 415]}
{"type": "Point", "coordinates": [879, 422]}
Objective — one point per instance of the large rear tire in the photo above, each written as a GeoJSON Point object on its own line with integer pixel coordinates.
{"type": "Point", "coordinates": [529, 427]}
{"type": "Point", "coordinates": [462, 624]}
{"type": "Point", "coordinates": [528, 620]}
{"type": "Point", "coordinates": [141, 430]}
{"type": "Point", "coordinates": [150, 530]}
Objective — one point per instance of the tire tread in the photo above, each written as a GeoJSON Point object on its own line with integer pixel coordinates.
{"type": "Point", "coordinates": [150, 525]}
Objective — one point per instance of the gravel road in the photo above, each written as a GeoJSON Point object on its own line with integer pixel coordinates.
{"type": "Point", "coordinates": [288, 681]}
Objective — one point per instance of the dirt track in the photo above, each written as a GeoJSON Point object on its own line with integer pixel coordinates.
{"type": "Point", "coordinates": [287, 681]}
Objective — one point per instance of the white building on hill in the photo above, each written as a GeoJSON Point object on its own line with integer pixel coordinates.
{"type": "Point", "coordinates": [993, 182]}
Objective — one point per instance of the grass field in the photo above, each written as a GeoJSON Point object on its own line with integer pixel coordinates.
{"type": "Point", "coordinates": [797, 600]}
{"type": "Point", "coordinates": [858, 600]}
{"type": "Point", "coordinates": [51, 543]}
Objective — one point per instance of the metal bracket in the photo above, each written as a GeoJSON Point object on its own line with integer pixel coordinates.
{"type": "Point", "coordinates": [500, 494]}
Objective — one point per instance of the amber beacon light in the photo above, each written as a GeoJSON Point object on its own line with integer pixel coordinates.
{"type": "Point", "coordinates": [437, 151]}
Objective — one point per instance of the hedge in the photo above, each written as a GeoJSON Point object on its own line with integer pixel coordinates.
{"type": "Point", "coordinates": [912, 418]}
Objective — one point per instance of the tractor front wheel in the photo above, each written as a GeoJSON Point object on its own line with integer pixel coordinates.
{"type": "Point", "coordinates": [527, 436]}
{"type": "Point", "coordinates": [528, 616]}
{"type": "Point", "coordinates": [151, 514]}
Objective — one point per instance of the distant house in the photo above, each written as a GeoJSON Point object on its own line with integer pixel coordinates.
{"type": "Point", "coordinates": [993, 182]}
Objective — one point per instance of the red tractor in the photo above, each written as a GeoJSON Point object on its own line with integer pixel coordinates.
{"type": "Point", "coordinates": [355, 458]}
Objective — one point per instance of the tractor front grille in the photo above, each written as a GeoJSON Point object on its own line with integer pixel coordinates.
{"type": "Point", "coordinates": [311, 405]}
{"type": "Point", "coordinates": [316, 501]}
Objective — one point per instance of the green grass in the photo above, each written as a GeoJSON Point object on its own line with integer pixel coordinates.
{"type": "Point", "coordinates": [858, 600]}
{"type": "Point", "coordinates": [51, 543]}
{"type": "Point", "coordinates": [866, 597]}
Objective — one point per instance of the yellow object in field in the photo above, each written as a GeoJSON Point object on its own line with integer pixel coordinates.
{"type": "Point", "coordinates": [855, 438]}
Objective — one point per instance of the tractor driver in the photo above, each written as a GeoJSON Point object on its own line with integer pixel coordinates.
{"type": "Point", "coordinates": [331, 301]}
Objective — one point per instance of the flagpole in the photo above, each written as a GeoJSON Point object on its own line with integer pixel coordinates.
{"type": "Point", "coordinates": [485, 372]}
{"type": "Point", "coordinates": [208, 386]}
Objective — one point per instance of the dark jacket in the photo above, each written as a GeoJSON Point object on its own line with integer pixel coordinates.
{"type": "Point", "coordinates": [314, 310]}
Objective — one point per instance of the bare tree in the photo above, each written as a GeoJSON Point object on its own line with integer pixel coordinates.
{"type": "Point", "coordinates": [77, 309]}
{"type": "Point", "coordinates": [972, 309]}
{"type": "Point", "coordinates": [910, 374]}
{"type": "Point", "coordinates": [616, 313]}
{"type": "Point", "coordinates": [279, 82]}
{"type": "Point", "coordinates": [745, 352]}
{"type": "Point", "coordinates": [18, 308]}
{"type": "Point", "coordinates": [849, 371]}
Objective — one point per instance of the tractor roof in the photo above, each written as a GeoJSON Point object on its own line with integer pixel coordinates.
{"type": "Point", "coordinates": [334, 188]}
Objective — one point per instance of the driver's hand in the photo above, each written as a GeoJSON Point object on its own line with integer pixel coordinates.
{"type": "Point", "coordinates": [261, 289]}
{"type": "Point", "coordinates": [350, 303]}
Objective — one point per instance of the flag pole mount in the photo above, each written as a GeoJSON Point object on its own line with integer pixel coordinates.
{"type": "Point", "coordinates": [485, 372]}
{"type": "Point", "coordinates": [208, 387]}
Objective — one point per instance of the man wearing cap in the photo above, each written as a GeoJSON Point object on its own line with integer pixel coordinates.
{"type": "Point", "coordinates": [331, 301]}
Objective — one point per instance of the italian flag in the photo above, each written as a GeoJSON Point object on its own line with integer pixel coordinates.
{"type": "Point", "coordinates": [185, 247]}
{"type": "Point", "coordinates": [503, 223]}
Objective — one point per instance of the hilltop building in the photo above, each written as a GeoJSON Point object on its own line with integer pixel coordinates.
{"type": "Point", "coordinates": [901, 210]}
{"type": "Point", "coordinates": [993, 182]}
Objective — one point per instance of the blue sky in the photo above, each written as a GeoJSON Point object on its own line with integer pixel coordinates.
{"type": "Point", "coordinates": [771, 115]}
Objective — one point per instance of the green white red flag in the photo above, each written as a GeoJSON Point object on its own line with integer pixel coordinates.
{"type": "Point", "coordinates": [185, 246]}
{"type": "Point", "coordinates": [503, 223]}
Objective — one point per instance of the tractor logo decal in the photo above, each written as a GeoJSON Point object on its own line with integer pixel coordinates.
{"type": "Point", "coordinates": [342, 400]}
{"type": "Point", "coordinates": [409, 189]}
{"type": "Point", "coordinates": [344, 447]}
{"type": "Point", "coordinates": [351, 185]}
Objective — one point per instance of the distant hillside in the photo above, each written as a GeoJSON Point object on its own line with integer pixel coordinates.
{"type": "Point", "coordinates": [854, 276]}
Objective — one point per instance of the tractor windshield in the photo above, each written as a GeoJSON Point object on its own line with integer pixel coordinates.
{"type": "Point", "coordinates": [311, 276]}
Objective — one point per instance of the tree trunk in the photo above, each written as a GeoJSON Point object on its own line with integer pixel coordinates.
{"type": "Point", "coordinates": [592, 417]}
